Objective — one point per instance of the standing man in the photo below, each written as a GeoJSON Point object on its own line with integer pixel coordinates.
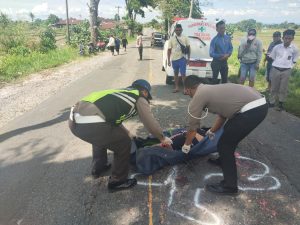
{"type": "Point", "coordinates": [117, 44]}
{"type": "Point", "coordinates": [240, 108]}
{"type": "Point", "coordinates": [220, 50]}
{"type": "Point", "coordinates": [284, 57]}
{"type": "Point", "coordinates": [179, 46]}
{"type": "Point", "coordinates": [111, 44]}
{"type": "Point", "coordinates": [276, 41]}
{"type": "Point", "coordinates": [250, 53]}
{"type": "Point", "coordinates": [139, 44]}
{"type": "Point", "coordinates": [97, 119]}
{"type": "Point", "coordinates": [124, 42]}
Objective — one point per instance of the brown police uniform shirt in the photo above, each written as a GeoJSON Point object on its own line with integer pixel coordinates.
{"type": "Point", "coordinates": [143, 109]}
{"type": "Point", "coordinates": [223, 99]}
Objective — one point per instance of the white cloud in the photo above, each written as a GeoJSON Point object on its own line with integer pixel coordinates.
{"type": "Point", "coordinates": [40, 9]}
{"type": "Point", "coordinates": [294, 4]}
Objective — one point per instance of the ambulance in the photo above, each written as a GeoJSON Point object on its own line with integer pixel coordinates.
{"type": "Point", "coordinates": [200, 32]}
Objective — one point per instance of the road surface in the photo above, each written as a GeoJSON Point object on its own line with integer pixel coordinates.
{"type": "Point", "coordinates": [45, 170]}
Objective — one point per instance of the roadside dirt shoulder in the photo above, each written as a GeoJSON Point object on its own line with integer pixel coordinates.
{"type": "Point", "coordinates": [23, 95]}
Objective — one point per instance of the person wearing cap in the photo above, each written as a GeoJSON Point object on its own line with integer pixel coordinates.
{"type": "Point", "coordinates": [97, 119]}
{"type": "Point", "coordinates": [276, 41]}
{"type": "Point", "coordinates": [285, 56]}
{"type": "Point", "coordinates": [240, 109]}
{"type": "Point", "coordinates": [220, 50]}
{"type": "Point", "coordinates": [249, 55]}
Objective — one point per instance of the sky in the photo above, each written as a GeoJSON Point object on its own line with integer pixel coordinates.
{"type": "Point", "coordinates": [266, 11]}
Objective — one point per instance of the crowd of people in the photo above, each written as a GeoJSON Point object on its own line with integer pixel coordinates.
{"type": "Point", "coordinates": [98, 117]}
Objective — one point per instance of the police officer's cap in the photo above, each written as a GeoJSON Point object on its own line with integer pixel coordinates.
{"type": "Point", "coordinates": [143, 84]}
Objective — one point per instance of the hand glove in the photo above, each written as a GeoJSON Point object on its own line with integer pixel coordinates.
{"type": "Point", "coordinates": [186, 148]}
{"type": "Point", "coordinates": [211, 135]}
{"type": "Point", "coordinates": [166, 141]}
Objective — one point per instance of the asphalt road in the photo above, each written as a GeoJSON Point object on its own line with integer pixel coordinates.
{"type": "Point", "coordinates": [45, 170]}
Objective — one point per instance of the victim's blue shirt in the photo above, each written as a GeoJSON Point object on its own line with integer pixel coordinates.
{"type": "Point", "coordinates": [220, 45]}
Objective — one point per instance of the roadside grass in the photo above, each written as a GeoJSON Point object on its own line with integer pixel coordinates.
{"type": "Point", "coordinates": [15, 66]}
{"type": "Point", "coordinates": [292, 104]}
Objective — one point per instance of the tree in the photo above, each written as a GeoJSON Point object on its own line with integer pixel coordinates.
{"type": "Point", "coordinates": [245, 25]}
{"type": "Point", "coordinates": [31, 16]}
{"type": "Point", "coordinates": [94, 23]}
{"type": "Point", "coordinates": [117, 17]}
{"type": "Point", "coordinates": [178, 8]}
{"type": "Point", "coordinates": [135, 7]}
{"type": "Point", "coordinates": [52, 19]}
{"type": "Point", "coordinates": [4, 20]}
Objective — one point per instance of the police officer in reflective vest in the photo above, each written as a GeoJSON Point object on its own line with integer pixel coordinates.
{"type": "Point", "coordinates": [97, 119]}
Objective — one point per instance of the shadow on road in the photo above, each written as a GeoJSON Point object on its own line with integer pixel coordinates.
{"type": "Point", "coordinates": [62, 116]}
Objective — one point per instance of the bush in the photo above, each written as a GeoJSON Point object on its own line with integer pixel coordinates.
{"type": "Point", "coordinates": [47, 40]}
{"type": "Point", "coordinates": [80, 34]}
{"type": "Point", "coordinates": [19, 50]}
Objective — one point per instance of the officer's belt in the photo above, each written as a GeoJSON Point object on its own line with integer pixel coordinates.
{"type": "Point", "coordinates": [77, 118]}
{"type": "Point", "coordinates": [253, 104]}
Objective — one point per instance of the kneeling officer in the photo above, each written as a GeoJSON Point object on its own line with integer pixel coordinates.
{"type": "Point", "coordinates": [97, 119]}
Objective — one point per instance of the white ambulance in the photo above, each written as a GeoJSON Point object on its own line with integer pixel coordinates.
{"type": "Point", "coordinates": [200, 32]}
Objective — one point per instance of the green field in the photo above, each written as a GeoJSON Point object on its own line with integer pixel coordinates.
{"type": "Point", "coordinates": [293, 100]}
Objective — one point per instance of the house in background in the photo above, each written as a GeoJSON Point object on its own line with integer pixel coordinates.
{"type": "Point", "coordinates": [62, 23]}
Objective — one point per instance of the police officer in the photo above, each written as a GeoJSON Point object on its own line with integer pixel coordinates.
{"type": "Point", "coordinates": [240, 108]}
{"type": "Point", "coordinates": [97, 119]}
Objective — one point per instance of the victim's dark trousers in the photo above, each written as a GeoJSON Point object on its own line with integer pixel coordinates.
{"type": "Point", "coordinates": [105, 136]}
{"type": "Point", "coordinates": [221, 67]}
{"type": "Point", "coordinates": [141, 52]}
{"type": "Point", "coordinates": [235, 130]}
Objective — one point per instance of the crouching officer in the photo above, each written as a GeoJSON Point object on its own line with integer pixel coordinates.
{"type": "Point", "coordinates": [97, 119]}
{"type": "Point", "coordinates": [241, 107]}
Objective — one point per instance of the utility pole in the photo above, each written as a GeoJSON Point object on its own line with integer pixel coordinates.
{"type": "Point", "coordinates": [191, 9]}
{"type": "Point", "coordinates": [118, 7]}
{"type": "Point", "coordinates": [68, 30]}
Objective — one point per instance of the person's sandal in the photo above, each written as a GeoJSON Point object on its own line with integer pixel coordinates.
{"type": "Point", "coordinates": [121, 185]}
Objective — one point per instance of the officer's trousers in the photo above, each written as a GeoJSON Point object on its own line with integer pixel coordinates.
{"type": "Point", "coordinates": [235, 130]}
{"type": "Point", "coordinates": [105, 136]}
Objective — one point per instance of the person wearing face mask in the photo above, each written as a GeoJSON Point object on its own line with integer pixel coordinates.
{"type": "Point", "coordinates": [249, 55]}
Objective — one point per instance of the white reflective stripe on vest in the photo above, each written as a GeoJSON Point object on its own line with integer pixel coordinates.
{"type": "Point", "coordinates": [85, 119]}
{"type": "Point", "coordinates": [253, 104]}
{"type": "Point", "coordinates": [126, 96]}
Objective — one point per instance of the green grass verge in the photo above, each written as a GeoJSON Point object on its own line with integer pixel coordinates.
{"type": "Point", "coordinates": [292, 104]}
{"type": "Point", "coordinates": [16, 66]}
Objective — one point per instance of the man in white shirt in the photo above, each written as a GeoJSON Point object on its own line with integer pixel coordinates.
{"type": "Point", "coordinates": [139, 44]}
{"type": "Point", "coordinates": [285, 55]}
{"type": "Point", "coordinates": [179, 46]}
{"type": "Point", "coordinates": [111, 44]}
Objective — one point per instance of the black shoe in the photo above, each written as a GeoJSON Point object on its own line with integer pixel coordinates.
{"type": "Point", "coordinates": [280, 106]}
{"type": "Point", "coordinates": [271, 105]}
{"type": "Point", "coordinates": [96, 172]}
{"type": "Point", "coordinates": [220, 189]}
{"type": "Point", "coordinates": [121, 185]}
{"type": "Point", "coordinates": [216, 162]}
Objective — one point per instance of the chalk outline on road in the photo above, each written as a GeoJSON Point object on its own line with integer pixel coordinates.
{"type": "Point", "coordinates": [217, 221]}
